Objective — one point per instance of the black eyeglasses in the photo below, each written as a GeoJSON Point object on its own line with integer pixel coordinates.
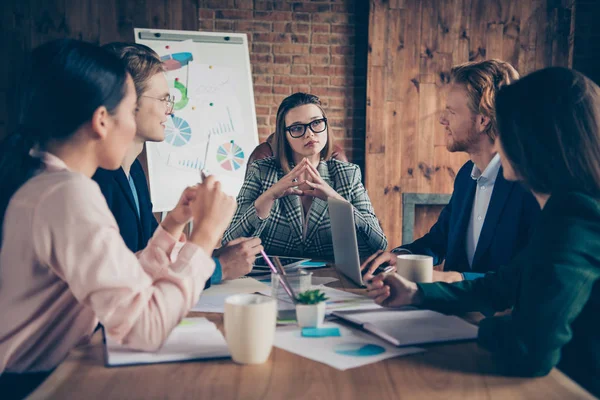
{"type": "Point", "coordinates": [298, 130]}
{"type": "Point", "coordinates": [169, 102]}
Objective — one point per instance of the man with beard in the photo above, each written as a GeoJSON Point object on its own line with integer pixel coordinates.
{"type": "Point", "coordinates": [488, 219]}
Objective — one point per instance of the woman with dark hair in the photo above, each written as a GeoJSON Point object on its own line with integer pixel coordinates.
{"type": "Point", "coordinates": [548, 139]}
{"type": "Point", "coordinates": [63, 265]}
{"type": "Point", "coordinates": [284, 198]}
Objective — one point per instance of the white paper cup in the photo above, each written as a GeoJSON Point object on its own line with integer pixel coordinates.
{"type": "Point", "coordinates": [415, 268]}
{"type": "Point", "coordinates": [250, 321]}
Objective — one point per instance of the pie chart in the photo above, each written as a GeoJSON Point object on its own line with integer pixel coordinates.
{"type": "Point", "coordinates": [178, 132]}
{"type": "Point", "coordinates": [230, 156]}
{"type": "Point", "coordinates": [183, 99]}
{"type": "Point", "coordinates": [358, 349]}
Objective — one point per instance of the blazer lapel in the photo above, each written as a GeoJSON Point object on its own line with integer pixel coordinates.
{"type": "Point", "coordinates": [456, 241]}
{"type": "Point", "coordinates": [293, 209]}
{"type": "Point", "coordinates": [141, 185]}
{"type": "Point", "coordinates": [502, 190]}
{"type": "Point", "coordinates": [319, 208]}
{"type": "Point", "coordinates": [121, 179]}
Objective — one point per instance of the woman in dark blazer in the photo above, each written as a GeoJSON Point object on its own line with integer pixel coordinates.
{"type": "Point", "coordinates": [549, 140]}
{"type": "Point", "coordinates": [284, 197]}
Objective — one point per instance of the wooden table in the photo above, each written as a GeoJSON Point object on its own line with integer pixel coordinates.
{"type": "Point", "coordinates": [453, 371]}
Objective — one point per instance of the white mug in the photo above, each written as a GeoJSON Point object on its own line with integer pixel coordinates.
{"type": "Point", "coordinates": [250, 321]}
{"type": "Point", "coordinates": [414, 267]}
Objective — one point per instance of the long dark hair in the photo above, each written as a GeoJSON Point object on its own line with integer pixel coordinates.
{"type": "Point", "coordinates": [549, 127]}
{"type": "Point", "coordinates": [283, 150]}
{"type": "Point", "coordinates": [65, 82]}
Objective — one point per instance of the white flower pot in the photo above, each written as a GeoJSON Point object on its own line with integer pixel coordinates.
{"type": "Point", "coordinates": [310, 315]}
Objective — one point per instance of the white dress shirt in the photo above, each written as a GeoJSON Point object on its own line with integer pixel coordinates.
{"type": "Point", "coordinates": [481, 202]}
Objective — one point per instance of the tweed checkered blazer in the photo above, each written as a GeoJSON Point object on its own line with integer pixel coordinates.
{"type": "Point", "coordinates": [281, 232]}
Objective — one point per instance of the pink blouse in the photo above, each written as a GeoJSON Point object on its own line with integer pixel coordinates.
{"type": "Point", "coordinates": [64, 267]}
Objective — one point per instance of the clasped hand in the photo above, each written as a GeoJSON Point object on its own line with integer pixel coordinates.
{"type": "Point", "coordinates": [292, 184]}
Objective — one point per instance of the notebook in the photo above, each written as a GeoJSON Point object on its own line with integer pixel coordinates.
{"type": "Point", "coordinates": [410, 327]}
{"type": "Point", "coordinates": [192, 339]}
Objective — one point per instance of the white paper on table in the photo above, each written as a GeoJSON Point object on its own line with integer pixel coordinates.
{"type": "Point", "coordinates": [350, 350]}
{"type": "Point", "coordinates": [192, 339]}
{"type": "Point", "coordinates": [322, 280]}
{"type": "Point", "coordinates": [213, 298]}
{"type": "Point", "coordinates": [338, 300]}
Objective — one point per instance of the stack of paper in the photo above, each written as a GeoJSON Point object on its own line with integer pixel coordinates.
{"type": "Point", "coordinates": [192, 339]}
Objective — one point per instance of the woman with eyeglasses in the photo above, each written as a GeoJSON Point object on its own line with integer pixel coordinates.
{"type": "Point", "coordinates": [284, 198]}
{"type": "Point", "coordinates": [64, 267]}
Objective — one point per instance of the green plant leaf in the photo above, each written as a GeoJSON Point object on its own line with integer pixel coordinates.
{"type": "Point", "coordinates": [315, 296]}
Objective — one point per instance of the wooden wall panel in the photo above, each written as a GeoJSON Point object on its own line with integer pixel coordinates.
{"type": "Point", "coordinates": [412, 46]}
{"type": "Point", "coordinates": [26, 24]}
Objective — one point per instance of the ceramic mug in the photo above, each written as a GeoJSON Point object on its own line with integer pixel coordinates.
{"type": "Point", "coordinates": [414, 267]}
{"type": "Point", "coordinates": [250, 321]}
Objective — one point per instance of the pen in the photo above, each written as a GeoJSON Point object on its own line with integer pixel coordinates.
{"type": "Point", "coordinates": [279, 266]}
{"type": "Point", "coordinates": [282, 278]}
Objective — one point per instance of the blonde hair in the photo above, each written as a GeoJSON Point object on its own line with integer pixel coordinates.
{"type": "Point", "coordinates": [482, 80]}
{"type": "Point", "coordinates": [141, 62]}
{"type": "Point", "coordinates": [281, 148]}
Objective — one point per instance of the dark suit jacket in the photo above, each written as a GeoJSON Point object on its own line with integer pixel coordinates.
{"type": "Point", "coordinates": [136, 231]}
{"type": "Point", "coordinates": [505, 231]}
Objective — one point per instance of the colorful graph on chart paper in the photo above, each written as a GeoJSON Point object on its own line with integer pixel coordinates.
{"type": "Point", "coordinates": [178, 132]}
{"type": "Point", "coordinates": [181, 96]}
{"type": "Point", "coordinates": [223, 126]}
{"type": "Point", "coordinates": [172, 62]}
{"type": "Point", "coordinates": [230, 156]}
{"type": "Point", "coordinates": [182, 162]}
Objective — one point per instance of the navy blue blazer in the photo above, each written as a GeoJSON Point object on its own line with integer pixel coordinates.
{"type": "Point", "coordinates": [136, 231]}
{"type": "Point", "coordinates": [506, 229]}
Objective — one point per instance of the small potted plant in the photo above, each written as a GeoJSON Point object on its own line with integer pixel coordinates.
{"type": "Point", "coordinates": [310, 310]}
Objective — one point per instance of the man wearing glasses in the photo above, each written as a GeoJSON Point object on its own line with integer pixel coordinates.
{"type": "Point", "coordinates": [126, 189]}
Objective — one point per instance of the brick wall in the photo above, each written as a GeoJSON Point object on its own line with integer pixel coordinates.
{"type": "Point", "coordinates": [586, 48]}
{"type": "Point", "coordinates": [317, 46]}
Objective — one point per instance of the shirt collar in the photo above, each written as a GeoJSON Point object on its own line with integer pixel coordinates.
{"type": "Point", "coordinates": [490, 173]}
{"type": "Point", "coordinates": [51, 162]}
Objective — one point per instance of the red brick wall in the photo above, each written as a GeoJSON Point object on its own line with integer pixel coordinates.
{"type": "Point", "coordinates": [317, 46]}
{"type": "Point", "coordinates": [586, 47]}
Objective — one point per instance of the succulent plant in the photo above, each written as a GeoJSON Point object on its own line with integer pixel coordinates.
{"type": "Point", "coordinates": [311, 297]}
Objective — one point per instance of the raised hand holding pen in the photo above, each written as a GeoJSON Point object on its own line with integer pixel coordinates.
{"type": "Point", "coordinates": [212, 211]}
{"type": "Point", "coordinates": [177, 219]}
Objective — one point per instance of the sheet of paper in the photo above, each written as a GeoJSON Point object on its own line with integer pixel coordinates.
{"type": "Point", "coordinates": [415, 327]}
{"type": "Point", "coordinates": [338, 300]}
{"type": "Point", "coordinates": [349, 350]}
{"type": "Point", "coordinates": [323, 280]}
{"type": "Point", "coordinates": [193, 338]}
{"type": "Point", "coordinates": [316, 280]}
{"type": "Point", "coordinates": [213, 298]}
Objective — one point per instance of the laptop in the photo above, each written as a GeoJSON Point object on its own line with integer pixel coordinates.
{"type": "Point", "coordinates": [345, 245]}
